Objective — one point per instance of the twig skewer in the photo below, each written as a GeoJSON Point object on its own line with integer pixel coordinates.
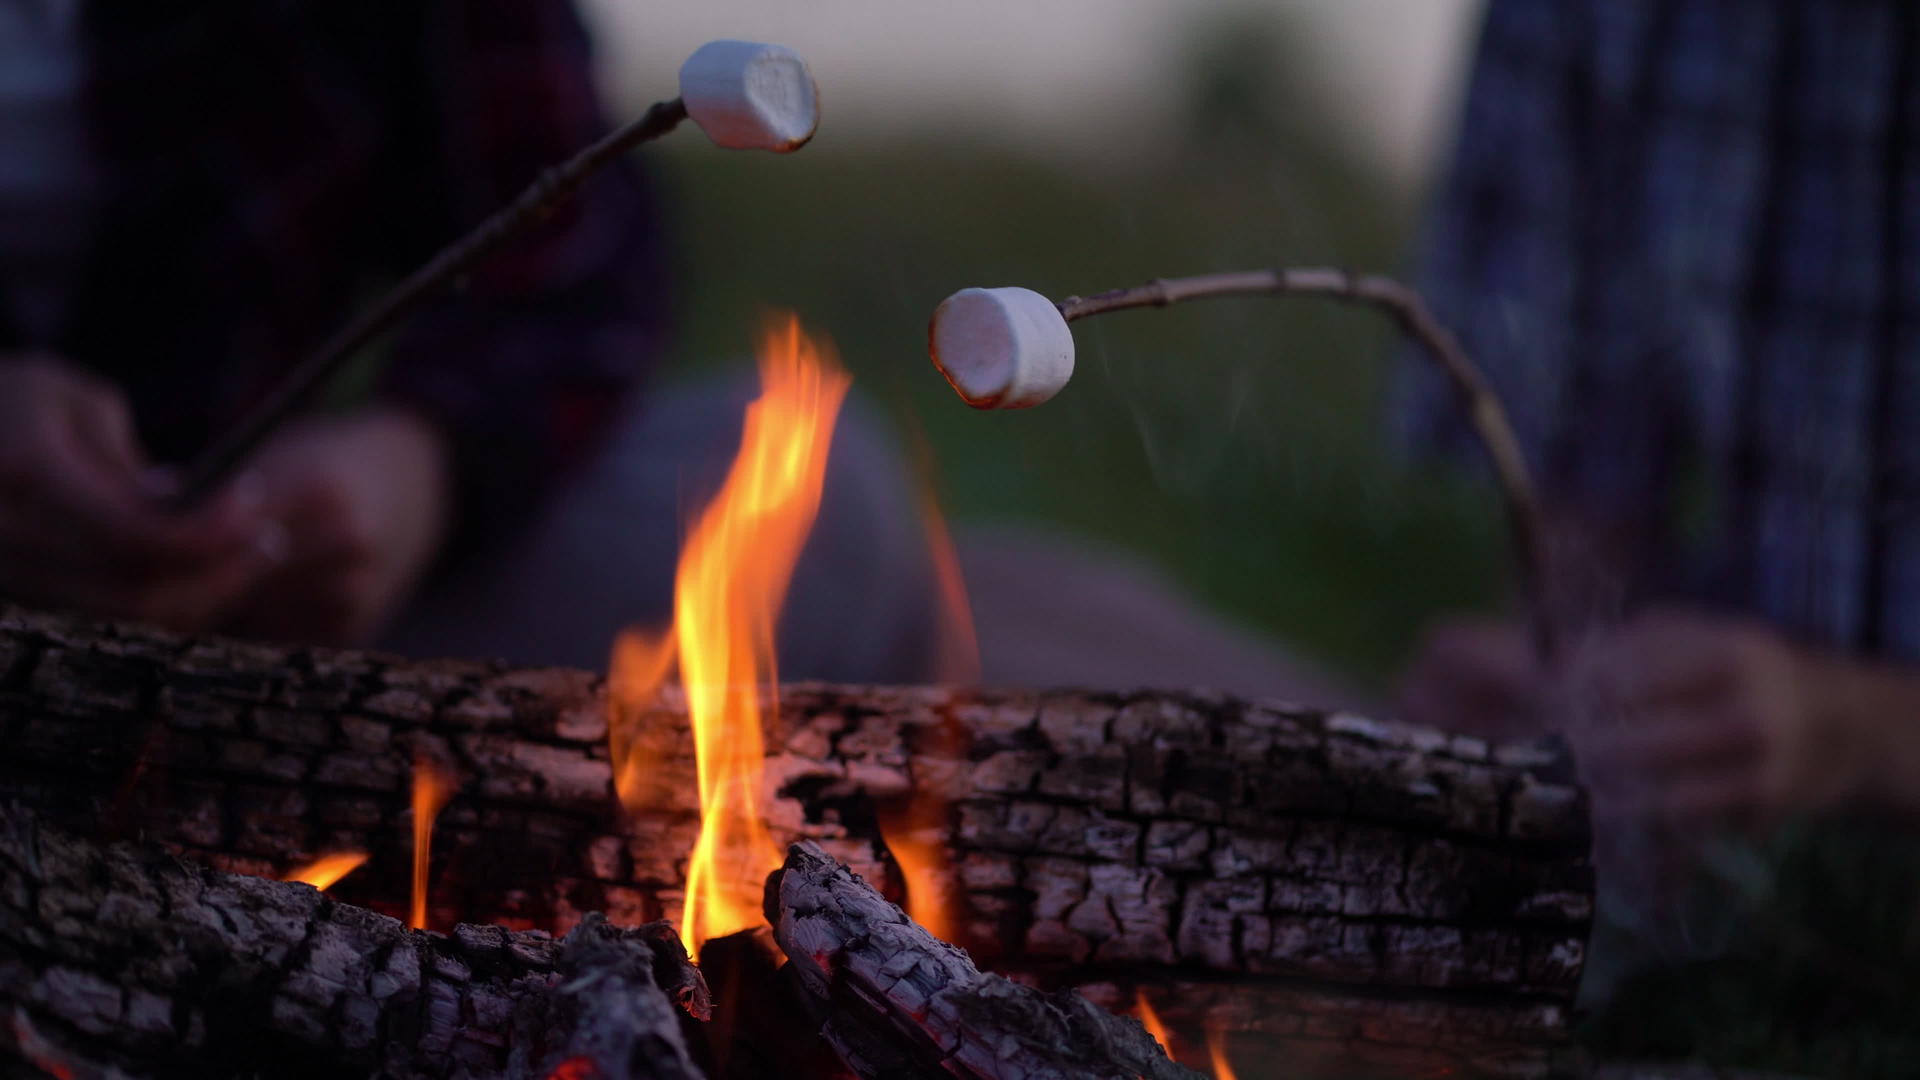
{"type": "Point", "coordinates": [1010, 348]}
{"type": "Point", "coordinates": [744, 95]}
{"type": "Point", "coordinates": [551, 188]}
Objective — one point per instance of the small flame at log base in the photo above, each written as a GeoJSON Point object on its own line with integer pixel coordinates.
{"type": "Point", "coordinates": [432, 787]}
{"type": "Point", "coordinates": [1217, 1051]}
{"type": "Point", "coordinates": [327, 869]}
{"type": "Point", "coordinates": [1150, 1020]}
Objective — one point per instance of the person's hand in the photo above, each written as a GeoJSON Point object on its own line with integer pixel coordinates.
{"type": "Point", "coordinates": [81, 525]}
{"type": "Point", "coordinates": [1474, 677]}
{"type": "Point", "coordinates": [363, 501]}
{"type": "Point", "coordinates": [1690, 718]}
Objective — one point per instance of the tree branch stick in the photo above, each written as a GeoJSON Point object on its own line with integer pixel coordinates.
{"type": "Point", "coordinates": [547, 192]}
{"type": "Point", "coordinates": [1475, 396]}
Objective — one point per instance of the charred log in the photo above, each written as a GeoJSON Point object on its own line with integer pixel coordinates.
{"type": "Point", "coordinates": [1329, 884]}
{"type": "Point", "coordinates": [903, 1003]}
{"type": "Point", "coordinates": [123, 958]}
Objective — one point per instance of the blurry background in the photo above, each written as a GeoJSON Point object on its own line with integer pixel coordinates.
{"type": "Point", "coordinates": [1077, 145]}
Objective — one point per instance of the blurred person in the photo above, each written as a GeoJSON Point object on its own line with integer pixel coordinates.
{"type": "Point", "coordinates": [1684, 240]}
{"type": "Point", "coordinates": [193, 195]}
{"type": "Point", "coordinates": [1683, 236]}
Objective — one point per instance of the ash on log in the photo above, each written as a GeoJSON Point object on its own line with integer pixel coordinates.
{"type": "Point", "coordinates": [121, 958]}
{"type": "Point", "coordinates": [901, 1002]}
{"type": "Point", "coordinates": [1337, 887]}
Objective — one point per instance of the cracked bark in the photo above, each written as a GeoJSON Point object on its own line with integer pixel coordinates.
{"type": "Point", "coordinates": [902, 1003]}
{"type": "Point", "coordinates": [1327, 885]}
{"type": "Point", "coordinates": [121, 958]}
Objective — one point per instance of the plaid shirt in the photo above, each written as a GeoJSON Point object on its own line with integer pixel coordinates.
{"type": "Point", "coordinates": [270, 163]}
{"type": "Point", "coordinates": [1682, 236]}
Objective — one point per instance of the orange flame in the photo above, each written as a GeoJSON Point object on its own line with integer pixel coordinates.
{"type": "Point", "coordinates": [1217, 1049]}
{"type": "Point", "coordinates": [915, 832]}
{"type": "Point", "coordinates": [727, 593]}
{"type": "Point", "coordinates": [641, 663]}
{"type": "Point", "coordinates": [959, 657]}
{"type": "Point", "coordinates": [431, 789]}
{"type": "Point", "coordinates": [327, 869]}
{"type": "Point", "coordinates": [914, 827]}
{"type": "Point", "coordinates": [732, 577]}
{"type": "Point", "coordinates": [1151, 1021]}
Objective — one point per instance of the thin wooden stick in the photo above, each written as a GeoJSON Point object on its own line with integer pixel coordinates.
{"type": "Point", "coordinates": [1474, 395]}
{"type": "Point", "coordinates": [295, 392]}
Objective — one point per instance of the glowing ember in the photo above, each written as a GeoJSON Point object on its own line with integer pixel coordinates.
{"type": "Point", "coordinates": [327, 869]}
{"type": "Point", "coordinates": [1151, 1021]}
{"type": "Point", "coordinates": [432, 786]}
{"type": "Point", "coordinates": [35, 1048]}
{"type": "Point", "coordinates": [575, 1068]}
{"type": "Point", "coordinates": [1217, 1048]}
{"type": "Point", "coordinates": [732, 577]}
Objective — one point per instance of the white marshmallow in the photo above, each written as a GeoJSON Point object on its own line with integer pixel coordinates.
{"type": "Point", "coordinates": [749, 96]}
{"type": "Point", "coordinates": [1001, 348]}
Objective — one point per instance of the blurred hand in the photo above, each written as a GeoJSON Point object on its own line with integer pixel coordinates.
{"type": "Point", "coordinates": [1686, 717]}
{"type": "Point", "coordinates": [1474, 677]}
{"type": "Point", "coordinates": [362, 500]}
{"type": "Point", "coordinates": [80, 522]}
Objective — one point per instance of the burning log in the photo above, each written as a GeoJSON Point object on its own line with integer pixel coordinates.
{"type": "Point", "coordinates": [1329, 886]}
{"type": "Point", "coordinates": [121, 958]}
{"type": "Point", "coordinates": [905, 1003]}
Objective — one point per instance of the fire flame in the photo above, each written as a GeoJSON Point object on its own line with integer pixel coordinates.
{"type": "Point", "coordinates": [432, 786]}
{"type": "Point", "coordinates": [915, 826]}
{"type": "Point", "coordinates": [959, 657]}
{"type": "Point", "coordinates": [732, 576]}
{"type": "Point", "coordinates": [1151, 1021]}
{"type": "Point", "coordinates": [1217, 1049]}
{"type": "Point", "coordinates": [641, 662]}
{"type": "Point", "coordinates": [327, 869]}
{"type": "Point", "coordinates": [915, 832]}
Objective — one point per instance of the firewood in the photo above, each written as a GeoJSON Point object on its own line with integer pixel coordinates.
{"type": "Point", "coordinates": [903, 1003]}
{"type": "Point", "coordinates": [126, 958]}
{"type": "Point", "coordinates": [1340, 886]}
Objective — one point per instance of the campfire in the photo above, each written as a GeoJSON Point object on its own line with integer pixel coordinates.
{"type": "Point", "coordinates": [230, 859]}
{"type": "Point", "coordinates": [688, 869]}
{"type": "Point", "coordinates": [1289, 885]}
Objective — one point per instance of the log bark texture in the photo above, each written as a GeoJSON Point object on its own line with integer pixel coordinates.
{"type": "Point", "coordinates": [902, 1003]}
{"type": "Point", "coordinates": [1334, 887]}
{"type": "Point", "coordinates": [123, 958]}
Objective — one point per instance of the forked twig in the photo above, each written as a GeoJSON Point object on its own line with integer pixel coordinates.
{"type": "Point", "coordinates": [1002, 348]}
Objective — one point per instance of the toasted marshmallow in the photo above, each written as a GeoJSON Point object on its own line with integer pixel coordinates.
{"type": "Point", "coordinates": [749, 96]}
{"type": "Point", "coordinates": [1001, 348]}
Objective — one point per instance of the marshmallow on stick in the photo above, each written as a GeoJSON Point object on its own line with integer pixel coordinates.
{"type": "Point", "coordinates": [748, 96]}
{"type": "Point", "coordinates": [1003, 348]}
{"type": "Point", "coordinates": [1010, 348]}
{"type": "Point", "coordinates": [744, 95]}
